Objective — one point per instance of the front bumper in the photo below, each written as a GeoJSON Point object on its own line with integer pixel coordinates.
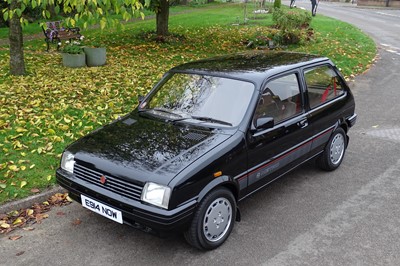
{"type": "Point", "coordinates": [351, 121]}
{"type": "Point", "coordinates": [134, 213]}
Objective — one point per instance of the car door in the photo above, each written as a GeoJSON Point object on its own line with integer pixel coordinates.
{"type": "Point", "coordinates": [327, 95]}
{"type": "Point", "coordinates": [274, 148]}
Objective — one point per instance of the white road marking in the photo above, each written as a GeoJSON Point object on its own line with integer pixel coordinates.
{"type": "Point", "coordinates": [387, 14]}
{"type": "Point", "coordinates": [321, 239]}
{"type": "Point", "coordinates": [391, 133]}
{"type": "Point", "coordinates": [391, 49]}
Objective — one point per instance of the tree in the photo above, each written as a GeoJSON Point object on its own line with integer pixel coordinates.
{"type": "Point", "coordinates": [162, 17]}
{"type": "Point", "coordinates": [88, 11]}
{"type": "Point", "coordinates": [17, 63]}
{"type": "Point", "coordinates": [161, 8]}
{"type": "Point", "coordinates": [277, 4]}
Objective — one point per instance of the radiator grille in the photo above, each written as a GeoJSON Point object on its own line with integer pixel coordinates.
{"type": "Point", "coordinates": [113, 184]}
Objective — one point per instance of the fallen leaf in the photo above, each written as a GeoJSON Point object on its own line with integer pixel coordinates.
{"type": "Point", "coordinates": [76, 221]}
{"type": "Point", "coordinates": [23, 183]}
{"type": "Point", "coordinates": [39, 217]}
{"type": "Point", "coordinates": [13, 238]}
{"type": "Point", "coordinates": [13, 213]}
{"type": "Point", "coordinates": [20, 253]}
{"type": "Point", "coordinates": [35, 190]}
{"type": "Point", "coordinates": [51, 131]}
{"type": "Point", "coordinates": [13, 168]}
{"type": "Point", "coordinates": [5, 226]}
{"type": "Point", "coordinates": [28, 228]}
{"type": "Point", "coordinates": [17, 221]}
{"type": "Point", "coordinates": [60, 213]}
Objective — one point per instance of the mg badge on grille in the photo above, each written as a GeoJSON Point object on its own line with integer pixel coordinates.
{"type": "Point", "coordinates": [103, 179]}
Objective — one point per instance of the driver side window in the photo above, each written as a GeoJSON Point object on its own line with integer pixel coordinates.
{"type": "Point", "coordinates": [280, 99]}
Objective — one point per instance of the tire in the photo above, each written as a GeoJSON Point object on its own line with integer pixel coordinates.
{"type": "Point", "coordinates": [334, 151]}
{"type": "Point", "coordinates": [213, 220]}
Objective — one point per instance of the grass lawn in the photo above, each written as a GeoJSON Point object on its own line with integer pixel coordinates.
{"type": "Point", "coordinates": [41, 113]}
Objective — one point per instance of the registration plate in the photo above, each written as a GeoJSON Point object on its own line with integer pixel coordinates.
{"type": "Point", "coordinates": [102, 209]}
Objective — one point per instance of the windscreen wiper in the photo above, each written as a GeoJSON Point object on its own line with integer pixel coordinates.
{"type": "Point", "coordinates": [161, 110]}
{"type": "Point", "coordinates": [211, 120]}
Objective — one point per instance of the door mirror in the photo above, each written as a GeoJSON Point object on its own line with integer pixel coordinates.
{"type": "Point", "coordinates": [141, 98]}
{"type": "Point", "coordinates": [264, 123]}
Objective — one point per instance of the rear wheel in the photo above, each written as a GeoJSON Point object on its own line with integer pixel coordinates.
{"type": "Point", "coordinates": [334, 151]}
{"type": "Point", "coordinates": [213, 220]}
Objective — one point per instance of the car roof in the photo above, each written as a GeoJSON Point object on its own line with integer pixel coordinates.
{"type": "Point", "coordinates": [253, 66]}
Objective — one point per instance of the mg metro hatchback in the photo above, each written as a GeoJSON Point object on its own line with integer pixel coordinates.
{"type": "Point", "coordinates": [208, 135]}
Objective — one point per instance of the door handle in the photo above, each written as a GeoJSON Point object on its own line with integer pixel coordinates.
{"type": "Point", "coordinates": [303, 123]}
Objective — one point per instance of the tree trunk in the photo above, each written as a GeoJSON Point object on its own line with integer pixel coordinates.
{"type": "Point", "coordinates": [52, 10]}
{"type": "Point", "coordinates": [263, 4]}
{"type": "Point", "coordinates": [162, 17]}
{"type": "Point", "coordinates": [17, 63]}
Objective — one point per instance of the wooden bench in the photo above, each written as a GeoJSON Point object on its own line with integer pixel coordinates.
{"type": "Point", "coordinates": [54, 32]}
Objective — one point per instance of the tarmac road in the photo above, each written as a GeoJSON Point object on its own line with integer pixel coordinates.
{"type": "Point", "coordinates": [347, 217]}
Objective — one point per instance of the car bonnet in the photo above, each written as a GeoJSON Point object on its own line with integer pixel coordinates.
{"type": "Point", "coordinates": [140, 149]}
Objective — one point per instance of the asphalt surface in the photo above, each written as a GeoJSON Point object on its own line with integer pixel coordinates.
{"type": "Point", "coordinates": [347, 217]}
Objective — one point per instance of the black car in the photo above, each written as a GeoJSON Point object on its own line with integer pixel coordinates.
{"type": "Point", "coordinates": [208, 135]}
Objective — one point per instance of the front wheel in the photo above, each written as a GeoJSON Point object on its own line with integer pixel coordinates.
{"type": "Point", "coordinates": [334, 151]}
{"type": "Point", "coordinates": [213, 220]}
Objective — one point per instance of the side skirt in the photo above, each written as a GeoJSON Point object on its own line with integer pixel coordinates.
{"type": "Point", "coordinates": [284, 173]}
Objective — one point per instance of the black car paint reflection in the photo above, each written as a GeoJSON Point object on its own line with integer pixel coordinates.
{"type": "Point", "coordinates": [146, 147]}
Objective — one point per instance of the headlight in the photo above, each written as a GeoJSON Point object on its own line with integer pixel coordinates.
{"type": "Point", "coordinates": [156, 194]}
{"type": "Point", "coordinates": [67, 162]}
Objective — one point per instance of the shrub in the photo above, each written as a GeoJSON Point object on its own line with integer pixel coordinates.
{"type": "Point", "coordinates": [259, 39]}
{"type": "Point", "coordinates": [293, 26]}
{"type": "Point", "coordinates": [290, 20]}
{"type": "Point", "coordinates": [291, 37]}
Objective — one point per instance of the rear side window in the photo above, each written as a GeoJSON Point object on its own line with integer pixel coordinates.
{"type": "Point", "coordinates": [280, 99]}
{"type": "Point", "coordinates": [323, 84]}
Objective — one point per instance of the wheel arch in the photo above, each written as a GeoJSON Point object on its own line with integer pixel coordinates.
{"type": "Point", "coordinates": [222, 181]}
{"type": "Point", "coordinates": [343, 124]}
